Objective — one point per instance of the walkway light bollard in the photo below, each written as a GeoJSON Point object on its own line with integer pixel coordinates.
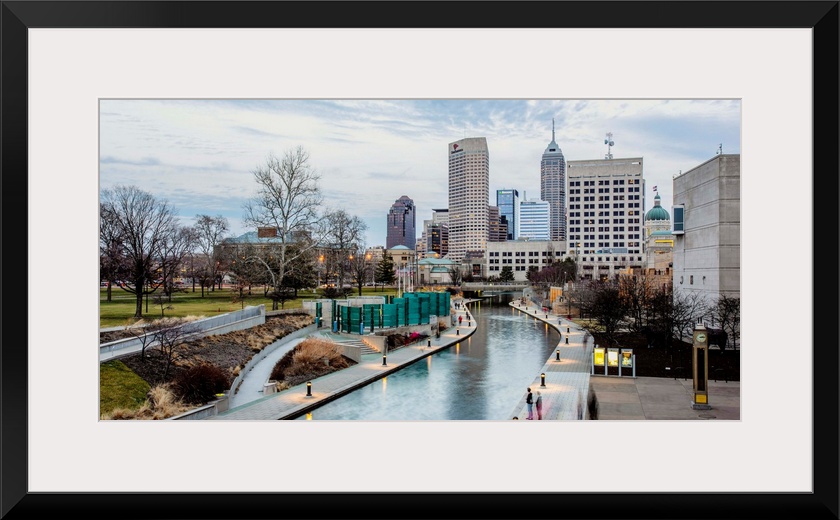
{"type": "Point", "coordinates": [567, 340]}
{"type": "Point", "coordinates": [309, 389]}
{"type": "Point", "coordinates": [567, 329]}
{"type": "Point", "coordinates": [558, 354]}
{"type": "Point", "coordinates": [457, 332]}
{"type": "Point", "coordinates": [428, 343]}
{"type": "Point", "coordinates": [384, 360]}
{"type": "Point", "coordinates": [542, 380]}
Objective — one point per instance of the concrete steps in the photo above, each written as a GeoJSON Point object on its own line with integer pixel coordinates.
{"type": "Point", "coordinates": [336, 338]}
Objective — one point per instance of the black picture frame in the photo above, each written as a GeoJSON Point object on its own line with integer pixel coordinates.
{"type": "Point", "coordinates": [19, 16]}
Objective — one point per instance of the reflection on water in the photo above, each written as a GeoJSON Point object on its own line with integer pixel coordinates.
{"type": "Point", "coordinates": [480, 378]}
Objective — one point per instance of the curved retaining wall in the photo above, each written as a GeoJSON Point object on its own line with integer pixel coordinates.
{"type": "Point", "coordinates": [237, 320]}
{"type": "Point", "coordinates": [222, 404]}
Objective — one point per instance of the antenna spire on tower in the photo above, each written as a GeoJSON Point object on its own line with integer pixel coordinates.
{"type": "Point", "coordinates": [552, 129]}
{"type": "Point", "coordinates": [609, 142]}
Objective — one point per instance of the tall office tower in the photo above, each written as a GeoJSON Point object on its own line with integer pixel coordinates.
{"type": "Point", "coordinates": [496, 225]}
{"type": "Point", "coordinates": [534, 219]}
{"type": "Point", "coordinates": [437, 241]}
{"type": "Point", "coordinates": [507, 200]}
{"type": "Point", "coordinates": [469, 193]}
{"type": "Point", "coordinates": [401, 224]}
{"type": "Point", "coordinates": [553, 186]}
{"type": "Point", "coordinates": [605, 226]}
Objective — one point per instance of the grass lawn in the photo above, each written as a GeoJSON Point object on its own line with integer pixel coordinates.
{"type": "Point", "coordinates": [120, 310]}
{"type": "Point", "coordinates": [120, 387]}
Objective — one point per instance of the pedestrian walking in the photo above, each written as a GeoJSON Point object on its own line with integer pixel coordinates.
{"type": "Point", "coordinates": [529, 400]}
{"type": "Point", "coordinates": [539, 406]}
{"type": "Point", "coordinates": [461, 317]}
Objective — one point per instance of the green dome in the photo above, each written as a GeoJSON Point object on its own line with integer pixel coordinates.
{"type": "Point", "coordinates": [657, 212]}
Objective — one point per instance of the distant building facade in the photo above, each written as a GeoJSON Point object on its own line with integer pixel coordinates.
{"type": "Point", "coordinates": [469, 192]}
{"type": "Point", "coordinates": [535, 219]}
{"type": "Point", "coordinates": [659, 241]}
{"type": "Point", "coordinates": [507, 200]}
{"type": "Point", "coordinates": [553, 187]}
{"type": "Point", "coordinates": [402, 224]}
{"type": "Point", "coordinates": [706, 225]}
{"type": "Point", "coordinates": [604, 216]}
{"type": "Point", "coordinates": [496, 225]}
{"type": "Point", "coordinates": [522, 255]}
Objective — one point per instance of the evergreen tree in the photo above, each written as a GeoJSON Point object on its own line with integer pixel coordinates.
{"type": "Point", "coordinates": [385, 271]}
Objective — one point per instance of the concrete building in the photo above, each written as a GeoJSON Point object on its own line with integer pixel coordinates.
{"type": "Point", "coordinates": [553, 187]}
{"type": "Point", "coordinates": [521, 255]}
{"type": "Point", "coordinates": [605, 228]}
{"type": "Point", "coordinates": [405, 265]}
{"type": "Point", "coordinates": [469, 193]}
{"type": "Point", "coordinates": [707, 228]}
{"type": "Point", "coordinates": [496, 225]}
{"type": "Point", "coordinates": [507, 200]}
{"type": "Point", "coordinates": [534, 219]}
{"type": "Point", "coordinates": [402, 224]}
{"type": "Point", "coordinates": [435, 234]}
{"type": "Point", "coordinates": [435, 271]}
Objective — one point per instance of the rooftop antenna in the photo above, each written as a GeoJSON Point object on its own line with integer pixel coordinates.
{"type": "Point", "coordinates": [609, 142]}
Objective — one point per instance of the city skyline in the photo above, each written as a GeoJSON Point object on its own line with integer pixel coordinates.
{"type": "Point", "coordinates": [199, 154]}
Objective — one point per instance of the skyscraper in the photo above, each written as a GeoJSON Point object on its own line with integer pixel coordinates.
{"type": "Point", "coordinates": [469, 193]}
{"type": "Point", "coordinates": [507, 200]}
{"type": "Point", "coordinates": [535, 219]}
{"type": "Point", "coordinates": [401, 224]}
{"type": "Point", "coordinates": [606, 198]}
{"type": "Point", "coordinates": [553, 186]}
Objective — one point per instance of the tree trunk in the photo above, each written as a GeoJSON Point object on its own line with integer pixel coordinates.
{"type": "Point", "coordinates": [138, 308]}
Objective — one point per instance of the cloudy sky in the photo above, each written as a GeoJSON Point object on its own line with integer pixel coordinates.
{"type": "Point", "coordinates": [200, 154]}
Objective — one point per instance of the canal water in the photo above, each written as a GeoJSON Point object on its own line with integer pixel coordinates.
{"type": "Point", "coordinates": [480, 378]}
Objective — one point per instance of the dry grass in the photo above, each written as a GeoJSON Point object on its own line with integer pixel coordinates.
{"type": "Point", "coordinates": [314, 350]}
{"type": "Point", "coordinates": [312, 357]}
{"type": "Point", "coordinates": [161, 404]}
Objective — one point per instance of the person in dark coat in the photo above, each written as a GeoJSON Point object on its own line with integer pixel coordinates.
{"type": "Point", "coordinates": [529, 400]}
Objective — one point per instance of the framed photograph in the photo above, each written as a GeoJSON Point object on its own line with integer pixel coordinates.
{"type": "Point", "coordinates": [60, 58]}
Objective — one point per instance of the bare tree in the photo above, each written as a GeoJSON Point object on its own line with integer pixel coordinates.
{"type": "Point", "coordinates": [288, 199]}
{"type": "Point", "coordinates": [112, 264]}
{"type": "Point", "coordinates": [175, 248]}
{"type": "Point", "coordinates": [144, 224]}
{"type": "Point", "coordinates": [608, 307]}
{"type": "Point", "coordinates": [636, 291]}
{"type": "Point", "coordinates": [727, 311]}
{"type": "Point", "coordinates": [209, 233]}
{"type": "Point", "coordinates": [344, 236]}
{"type": "Point", "coordinates": [169, 334]}
{"type": "Point", "coordinates": [359, 268]}
{"type": "Point", "coordinates": [455, 274]}
{"type": "Point", "coordinates": [688, 309]}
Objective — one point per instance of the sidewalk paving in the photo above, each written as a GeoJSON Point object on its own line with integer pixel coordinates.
{"type": "Point", "coordinates": [567, 382]}
{"type": "Point", "coordinates": [293, 402]}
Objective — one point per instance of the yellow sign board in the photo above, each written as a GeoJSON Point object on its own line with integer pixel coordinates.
{"type": "Point", "coordinates": [599, 357]}
{"type": "Point", "coordinates": [627, 357]}
{"type": "Point", "coordinates": [612, 357]}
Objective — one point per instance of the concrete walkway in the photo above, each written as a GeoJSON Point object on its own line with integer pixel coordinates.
{"type": "Point", "coordinates": [619, 398]}
{"type": "Point", "coordinates": [294, 401]}
{"type": "Point", "coordinates": [564, 394]}
{"type": "Point", "coordinates": [251, 387]}
{"type": "Point", "coordinates": [566, 384]}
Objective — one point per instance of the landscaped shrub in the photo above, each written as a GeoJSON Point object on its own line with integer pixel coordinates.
{"type": "Point", "coordinates": [199, 384]}
{"type": "Point", "coordinates": [312, 357]}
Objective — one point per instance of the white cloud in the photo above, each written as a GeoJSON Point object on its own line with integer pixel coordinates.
{"type": "Point", "coordinates": [200, 153]}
